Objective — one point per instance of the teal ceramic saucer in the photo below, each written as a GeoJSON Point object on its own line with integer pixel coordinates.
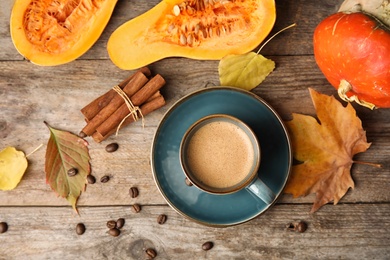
{"type": "Point", "coordinates": [202, 207]}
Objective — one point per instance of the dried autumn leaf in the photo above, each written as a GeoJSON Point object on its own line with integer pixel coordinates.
{"type": "Point", "coordinates": [244, 71]}
{"type": "Point", "coordinates": [13, 165]}
{"type": "Point", "coordinates": [66, 151]}
{"type": "Point", "coordinates": [326, 149]}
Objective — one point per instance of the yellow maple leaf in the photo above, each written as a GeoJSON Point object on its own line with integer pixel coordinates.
{"type": "Point", "coordinates": [325, 149]}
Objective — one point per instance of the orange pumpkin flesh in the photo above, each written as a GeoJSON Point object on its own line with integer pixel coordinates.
{"type": "Point", "coordinates": [54, 32]}
{"type": "Point", "coordinates": [197, 29]}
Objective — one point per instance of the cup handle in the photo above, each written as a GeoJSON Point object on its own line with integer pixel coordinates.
{"type": "Point", "coordinates": [261, 190]}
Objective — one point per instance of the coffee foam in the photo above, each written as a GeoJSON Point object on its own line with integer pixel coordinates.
{"type": "Point", "coordinates": [220, 154]}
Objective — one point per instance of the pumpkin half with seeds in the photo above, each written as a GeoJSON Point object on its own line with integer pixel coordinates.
{"type": "Point", "coordinates": [197, 29]}
{"type": "Point", "coordinates": [54, 32]}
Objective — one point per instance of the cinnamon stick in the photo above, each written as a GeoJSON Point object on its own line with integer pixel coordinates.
{"type": "Point", "coordinates": [93, 108]}
{"type": "Point", "coordinates": [113, 121]}
{"type": "Point", "coordinates": [146, 109]}
{"type": "Point", "coordinates": [155, 95]}
{"type": "Point", "coordinates": [148, 90]}
{"type": "Point", "coordinates": [136, 82]}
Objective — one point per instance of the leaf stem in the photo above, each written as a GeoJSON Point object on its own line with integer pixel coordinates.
{"type": "Point", "coordinates": [273, 36]}
{"type": "Point", "coordinates": [36, 149]}
{"type": "Point", "coordinates": [377, 165]}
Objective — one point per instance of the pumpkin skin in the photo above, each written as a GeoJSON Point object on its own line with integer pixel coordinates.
{"type": "Point", "coordinates": [50, 32]}
{"type": "Point", "coordinates": [191, 29]}
{"type": "Point", "coordinates": [353, 52]}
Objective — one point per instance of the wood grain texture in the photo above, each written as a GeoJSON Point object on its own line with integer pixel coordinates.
{"type": "Point", "coordinates": [350, 232]}
{"type": "Point", "coordinates": [42, 226]}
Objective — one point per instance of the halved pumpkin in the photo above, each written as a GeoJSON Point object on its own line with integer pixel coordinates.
{"type": "Point", "coordinates": [54, 32]}
{"type": "Point", "coordinates": [197, 29]}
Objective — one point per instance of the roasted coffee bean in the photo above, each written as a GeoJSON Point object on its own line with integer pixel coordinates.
{"type": "Point", "coordinates": [150, 253]}
{"type": "Point", "coordinates": [133, 192]}
{"type": "Point", "coordinates": [111, 224]}
{"type": "Point", "coordinates": [207, 245]}
{"type": "Point", "coordinates": [120, 223]}
{"type": "Point", "coordinates": [112, 147]}
{"type": "Point", "coordinates": [161, 219]}
{"type": "Point", "coordinates": [301, 227]}
{"type": "Point", "coordinates": [3, 227]}
{"type": "Point", "coordinates": [136, 208]}
{"type": "Point", "coordinates": [114, 232]}
{"type": "Point", "coordinates": [188, 182]}
{"type": "Point", "coordinates": [72, 172]}
{"type": "Point", "coordinates": [82, 134]}
{"type": "Point", "coordinates": [105, 179]}
{"type": "Point", "coordinates": [80, 228]}
{"type": "Point", "coordinates": [91, 179]}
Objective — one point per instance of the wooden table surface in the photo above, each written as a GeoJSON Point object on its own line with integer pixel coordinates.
{"type": "Point", "coordinates": [42, 226]}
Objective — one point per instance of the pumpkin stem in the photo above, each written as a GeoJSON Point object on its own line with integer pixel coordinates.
{"type": "Point", "coordinates": [344, 87]}
{"type": "Point", "coordinates": [273, 36]}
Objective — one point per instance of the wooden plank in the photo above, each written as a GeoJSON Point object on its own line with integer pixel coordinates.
{"type": "Point", "coordinates": [357, 231]}
{"type": "Point", "coordinates": [7, 50]}
{"type": "Point", "coordinates": [31, 95]}
{"type": "Point", "coordinates": [306, 15]}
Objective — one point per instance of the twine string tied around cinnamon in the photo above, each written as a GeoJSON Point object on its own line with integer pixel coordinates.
{"type": "Point", "coordinates": [133, 110]}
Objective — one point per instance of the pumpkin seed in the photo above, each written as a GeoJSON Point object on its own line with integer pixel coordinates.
{"type": "Point", "coordinates": [176, 10]}
{"type": "Point", "coordinates": [171, 27]}
{"type": "Point", "coordinates": [183, 39]}
{"type": "Point", "coordinates": [222, 29]}
{"type": "Point", "coordinates": [196, 30]}
{"type": "Point", "coordinates": [190, 39]}
{"type": "Point", "coordinates": [211, 32]}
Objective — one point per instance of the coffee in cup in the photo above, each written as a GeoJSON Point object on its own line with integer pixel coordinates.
{"type": "Point", "coordinates": [220, 154]}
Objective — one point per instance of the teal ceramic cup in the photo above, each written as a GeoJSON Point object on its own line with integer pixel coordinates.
{"type": "Point", "coordinates": [221, 155]}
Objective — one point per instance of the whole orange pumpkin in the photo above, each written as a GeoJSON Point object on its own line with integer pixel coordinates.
{"type": "Point", "coordinates": [353, 52]}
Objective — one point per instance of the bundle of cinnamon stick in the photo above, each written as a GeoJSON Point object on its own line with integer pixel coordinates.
{"type": "Point", "coordinates": [132, 99]}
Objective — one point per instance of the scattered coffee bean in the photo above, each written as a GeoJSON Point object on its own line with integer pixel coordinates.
{"type": "Point", "coordinates": [207, 245]}
{"type": "Point", "coordinates": [3, 227]}
{"type": "Point", "coordinates": [188, 182]}
{"type": "Point", "coordinates": [161, 219]}
{"type": "Point", "coordinates": [136, 208]}
{"type": "Point", "coordinates": [120, 223]}
{"type": "Point", "coordinates": [114, 232]}
{"type": "Point", "coordinates": [133, 192]}
{"type": "Point", "coordinates": [105, 179]}
{"type": "Point", "coordinates": [151, 253]}
{"type": "Point", "coordinates": [72, 172]}
{"type": "Point", "coordinates": [80, 228]}
{"type": "Point", "coordinates": [300, 226]}
{"type": "Point", "coordinates": [112, 147]}
{"type": "Point", "coordinates": [111, 224]}
{"type": "Point", "coordinates": [82, 134]}
{"type": "Point", "coordinates": [91, 179]}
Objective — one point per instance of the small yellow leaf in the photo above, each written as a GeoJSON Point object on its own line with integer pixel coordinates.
{"type": "Point", "coordinates": [244, 71]}
{"type": "Point", "coordinates": [13, 164]}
